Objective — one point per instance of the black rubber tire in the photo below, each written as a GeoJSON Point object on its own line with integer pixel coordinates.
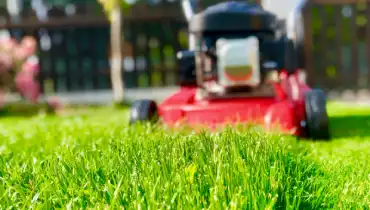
{"type": "Point", "coordinates": [317, 120]}
{"type": "Point", "coordinates": [143, 111]}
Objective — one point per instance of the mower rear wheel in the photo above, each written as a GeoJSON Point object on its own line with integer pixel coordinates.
{"type": "Point", "coordinates": [317, 120]}
{"type": "Point", "coordinates": [143, 111]}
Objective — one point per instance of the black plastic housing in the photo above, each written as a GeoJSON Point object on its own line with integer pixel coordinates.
{"type": "Point", "coordinates": [233, 16]}
{"type": "Point", "coordinates": [235, 20]}
{"type": "Point", "coordinates": [186, 61]}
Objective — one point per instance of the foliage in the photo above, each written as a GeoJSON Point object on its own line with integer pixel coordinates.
{"type": "Point", "coordinates": [94, 161]}
{"type": "Point", "coordinates": [19, 67]}
{"type": "Point", "coordinates": [109, 5]}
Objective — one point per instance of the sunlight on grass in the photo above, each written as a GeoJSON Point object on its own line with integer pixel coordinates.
{"type": "Point", "coordinates": [94, 160]}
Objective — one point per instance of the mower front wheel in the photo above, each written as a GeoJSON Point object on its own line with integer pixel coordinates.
{"type": "Point", "coordinates": [317, 120]}
{"type": "Point", "coordinates": [143, 111]}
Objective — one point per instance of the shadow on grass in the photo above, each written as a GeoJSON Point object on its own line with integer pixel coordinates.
{"type": "Point", "coordinates": [29, 110]}
{"type": "Point", "coordinates": [350, 126]}
{"type": "Point", "coordinates": [23, 110]}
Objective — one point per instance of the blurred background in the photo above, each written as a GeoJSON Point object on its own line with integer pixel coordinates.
{"type": "Point", "coordinates": [74, 51]}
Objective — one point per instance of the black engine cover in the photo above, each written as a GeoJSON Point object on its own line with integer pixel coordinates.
{"type": "Point", "coordinates": [233, 16]}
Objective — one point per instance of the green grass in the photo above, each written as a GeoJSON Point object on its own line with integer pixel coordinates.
{"type": "Point", "coordinates": [93, 160]}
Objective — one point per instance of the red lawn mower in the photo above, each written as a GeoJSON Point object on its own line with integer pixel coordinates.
{"type": "Point", "coordinates": [240, 67]}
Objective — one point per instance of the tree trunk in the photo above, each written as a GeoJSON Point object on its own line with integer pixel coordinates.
{"type": "Point", "coordinates": [116, 59]}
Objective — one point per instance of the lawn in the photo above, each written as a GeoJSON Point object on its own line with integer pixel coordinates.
{"type": "Point", "coordinates": [93, 160]}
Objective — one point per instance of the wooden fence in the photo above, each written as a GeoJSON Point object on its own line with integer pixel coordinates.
{"type": "Point", "coordinates": [337, 43]}
{"type": "Point", "coordinates": [75, 49]}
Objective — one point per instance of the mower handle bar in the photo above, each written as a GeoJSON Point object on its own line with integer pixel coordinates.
{"type": "Point", "coordinates": [188, 8]}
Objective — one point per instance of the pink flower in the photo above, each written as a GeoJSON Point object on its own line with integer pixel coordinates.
{"type": "Point", "coordinates": [31, 67]}
{"type": "Point", "coordinates": [28, 45]}
{"type": "Point", "coordinates": [20, 54]}
{"type": "Point", "coordinates": [27, 66]}
{"type": "Point", "coordinates": [27, 86]}
{"type": "Point", "coordinates": [8, 44]}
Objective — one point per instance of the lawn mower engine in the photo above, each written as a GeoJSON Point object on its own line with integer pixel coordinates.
{"type": "Point", "coordinates": [238, 62]}
{"type": "Point", "coordinates": [234, 65]}
{"type": "Point", "coordinates": [240, 67]}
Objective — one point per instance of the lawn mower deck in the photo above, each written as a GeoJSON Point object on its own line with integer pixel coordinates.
{"type": "Point", "coordinates": [183, 108]}
{"type": "Point", "coordinates": [294, 109]}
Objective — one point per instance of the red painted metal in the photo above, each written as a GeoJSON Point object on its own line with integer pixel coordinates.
{"type": "Point", "coordinates": [285, 110]}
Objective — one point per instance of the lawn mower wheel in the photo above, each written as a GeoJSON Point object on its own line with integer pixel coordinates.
{"type": "Point", "coordinates": [143, 111]}
{"type": "Point", "coordinates": [317, 124]}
